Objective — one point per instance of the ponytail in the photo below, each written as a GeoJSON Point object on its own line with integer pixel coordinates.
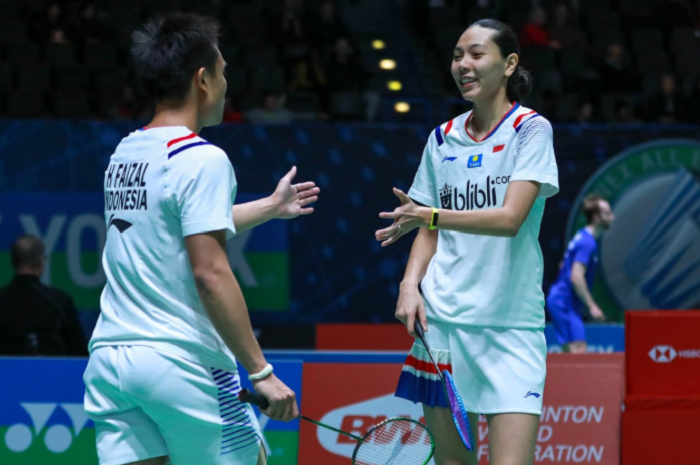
{"type": "Point", "coordinates": [519, 84]}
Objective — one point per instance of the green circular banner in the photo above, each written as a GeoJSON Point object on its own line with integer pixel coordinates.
{"type": "Point", "coordinates": [650, 257]}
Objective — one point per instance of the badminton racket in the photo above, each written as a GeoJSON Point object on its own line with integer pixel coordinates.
{"type": "Point", "coordinates": [454, 400]}
{"type": "Point", "coordinates": [395, 441]}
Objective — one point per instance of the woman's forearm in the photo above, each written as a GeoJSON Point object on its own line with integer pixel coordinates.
{"type": "Point", "coordinates": [424, 247]}
{"type": "Point", "coordinates": [491, 222]}
{"type": "Point", "coordinates": [504, 221]}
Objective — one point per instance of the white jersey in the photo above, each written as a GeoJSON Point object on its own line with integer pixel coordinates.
{"type": "Point", "coordinates": [477, 279]}
{"type": "Point", "coordinates": [161, 185]}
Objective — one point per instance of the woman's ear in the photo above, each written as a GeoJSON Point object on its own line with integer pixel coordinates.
{"type": "Point", "coordinates": [511, 63]}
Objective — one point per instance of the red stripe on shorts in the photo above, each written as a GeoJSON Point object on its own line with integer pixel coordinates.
{"type": "Point", "coordinates": [426, 367]}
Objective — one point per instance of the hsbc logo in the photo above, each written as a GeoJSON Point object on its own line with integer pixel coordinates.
{"type": "Point", "coordinates": [662, 354]}
{"type": "Point", "coordinates": [666, 354]}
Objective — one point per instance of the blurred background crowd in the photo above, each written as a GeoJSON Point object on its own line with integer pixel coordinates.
{"type": "Point", "coordinates": [594, 61]}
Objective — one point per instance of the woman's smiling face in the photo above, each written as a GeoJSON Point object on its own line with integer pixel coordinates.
{"type": "Point", "coordinates": [478, 67]}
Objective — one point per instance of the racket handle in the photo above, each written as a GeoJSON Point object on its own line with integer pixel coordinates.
{"type": "Point", "coordinates": [249, 397]}
{"type": "Point", "coordinates": [418, 328]}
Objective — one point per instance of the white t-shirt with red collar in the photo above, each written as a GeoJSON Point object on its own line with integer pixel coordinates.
{"type": "Point", "coordinates": [484, 280]}
{"type": "Point", "coordinates": [161, 185]}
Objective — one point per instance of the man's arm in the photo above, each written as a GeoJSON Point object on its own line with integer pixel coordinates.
{"type": "Point", "coordinates": [288, 201]}
{"type": "Point", "coordinates": [578, 281]}
{"type": "Point", "coordinates": [251, 214]}
{"type": "Point", "coordinates": [224, 303]}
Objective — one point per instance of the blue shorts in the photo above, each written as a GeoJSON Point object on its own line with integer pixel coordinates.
{"type": "Point", "coordinates": [568, 324]}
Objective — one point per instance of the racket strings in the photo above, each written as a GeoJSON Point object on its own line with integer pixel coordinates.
{"type": "Point", "coordinates": [398, 442]}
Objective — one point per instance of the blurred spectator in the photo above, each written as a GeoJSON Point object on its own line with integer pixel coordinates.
{"type": "Point", "coordinates": [310, 75]}
{"type": "Point", "coordinates": [666, 106]}
{"type": "Point", "coordinates": [345, 71]}
{"type": "Point", "coordinates": [129, 107]}
{"type": "Point", "coordinates": [90, 27]}
{"type": "Point", "coordinates": [271, 111]}
{"type": "Point", "coordinates": [36, 319]}
{"type": "Point", "coordinates": [346, 74]}
{"type": "Point", "coordinates": [53, 18]}
{"type": "Point", "coordinates": [585, 112]}
{"type": "Point", "coordinates": [419, 12]}
{"type": "Point", "coordinates": [565, 31]}
{"type": "Point", "coordinates": [231, 114]}
{"type": "Point", "coordinates": [693, 104]}
{"type": "Point", "coordinates": [58, 36]}
{"type": "Point", "coordinates": [616, 74]}
{"type": "Point", "coordinates": [327, 26]}
{"type": "Point", "coordinates": [549, 105]}
{"type": "Point", "coordinates": [534, 33]}
{"type": "Point", "coordinates": [624, 112]}
{"type": "Point", "coordinates": [480, 9]}
{"type": "Point", "coordinates": [674, 14]}
{"type": "Point", "coordinates": [288, 31]}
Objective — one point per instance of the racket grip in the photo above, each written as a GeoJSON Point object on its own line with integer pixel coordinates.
{"type": "Point", "coordinates": [250, 397]}
{"type": "Point", "coordinates": [418, 328]}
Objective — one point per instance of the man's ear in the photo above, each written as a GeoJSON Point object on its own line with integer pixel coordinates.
{"type": "Point", "coordinates": [202, 78]}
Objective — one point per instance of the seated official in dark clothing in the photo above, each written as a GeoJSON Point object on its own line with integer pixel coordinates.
{"type": "Point", "coordinates": [36, 319]}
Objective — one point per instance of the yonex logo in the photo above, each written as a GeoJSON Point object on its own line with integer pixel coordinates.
{"type": "Point", "coordinates": [662, 354]}
{"type": "Point", "coordinates": [533, 394]}
{"type": "Point", "coordinates": [448, 159]}
{"type": "Point", "coordinates": [58, 438]}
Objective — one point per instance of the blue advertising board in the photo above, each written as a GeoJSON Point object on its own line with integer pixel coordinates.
{"type": "Point", "coordinates": [42, 419]}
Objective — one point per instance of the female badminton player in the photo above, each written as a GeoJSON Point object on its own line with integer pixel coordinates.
{"type": "Point", "coordinates": [478, 199]}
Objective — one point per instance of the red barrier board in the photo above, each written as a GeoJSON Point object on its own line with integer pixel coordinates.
{"type": "Point", "coordinates": [362, 337]}
{"type": "Point", "coordinates": [659, 430]}
{"type": "Point", "coordinates": [580, 422]}
{"type": "Point", "coordinates": [663, 353]}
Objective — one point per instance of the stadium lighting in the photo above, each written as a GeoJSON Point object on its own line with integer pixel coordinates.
{"type": "Point", "coordinates": [394, 85]}
{"type": "Point", "coordinates": [387, 64]}
{"type": "Point", "coordinates": [402, 107]}
{"type": "Point", "coordinates": [378, 44]}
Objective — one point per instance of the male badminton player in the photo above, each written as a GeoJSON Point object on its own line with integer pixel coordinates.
{"type": "Point", "coordinates": [572, 289]}
{"type": "Point", "coordinates": [478, 199]}
{"type": "Point", "coordinates": [162, 378]}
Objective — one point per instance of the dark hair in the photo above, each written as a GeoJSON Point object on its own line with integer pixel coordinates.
{"type": "Point", "coordinates": [27, 251]}
{"type": "Point", "coordinates": [168, 51]}
{"type": "Point", "coordinates": [520, 82]}
{"type": "Point", "coordinates": [591, 206]}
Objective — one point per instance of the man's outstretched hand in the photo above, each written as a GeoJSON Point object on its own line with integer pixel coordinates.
{"type": "Point", "coordinates": [292, 200]}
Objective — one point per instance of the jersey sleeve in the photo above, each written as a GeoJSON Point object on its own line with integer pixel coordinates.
{"type": "Point", "coordinates": [583, 252]}
{"type": "Point", "coordinates": [423, 188]}
{"type": "Point", "coordinates": [534, 156]}
{"type": "Point", "coordinates": [203, 186]}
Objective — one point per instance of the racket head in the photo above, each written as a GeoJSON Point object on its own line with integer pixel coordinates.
{"type": "Point", "coordinates": [459, 413]}
{"type": "Point", "coordinates": [395, 441]}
